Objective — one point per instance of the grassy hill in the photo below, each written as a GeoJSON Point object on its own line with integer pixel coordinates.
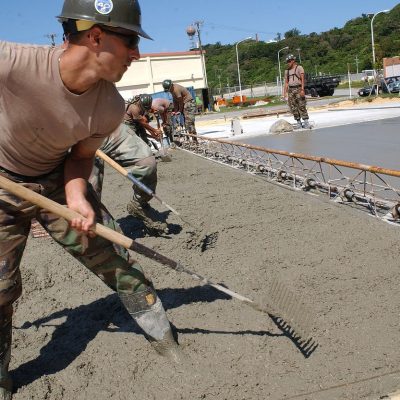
{"type": "Point", "coordinates": [328, 52]}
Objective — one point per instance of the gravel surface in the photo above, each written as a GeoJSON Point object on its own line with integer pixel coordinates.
{"type": "Point", "coordinates": [73, 340]}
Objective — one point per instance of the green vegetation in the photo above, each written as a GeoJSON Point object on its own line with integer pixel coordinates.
{"type": "Point", "coordinates": [331, 52]}
{"type": "Point", "coordinates": [354, 84]}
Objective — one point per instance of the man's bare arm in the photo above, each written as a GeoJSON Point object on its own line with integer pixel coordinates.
{"type": "Point", "coordinates": [78, 167]}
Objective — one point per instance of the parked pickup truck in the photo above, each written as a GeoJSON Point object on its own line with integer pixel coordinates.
{"type": "Point", "coordinates": [321, 85]}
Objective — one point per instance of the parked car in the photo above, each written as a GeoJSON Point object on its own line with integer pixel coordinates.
{"type": "Point", "coordinates": [390, 84]}
{"type": "Point", "coordinates": [367, 91]}
{"type": "Point", "coordinates": [394, 87]}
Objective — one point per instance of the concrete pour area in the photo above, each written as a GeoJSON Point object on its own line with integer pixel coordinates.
{"type": "Point", "coordinates": [343, 113]}
{"type": "Point", "coordinates": [74, 341]}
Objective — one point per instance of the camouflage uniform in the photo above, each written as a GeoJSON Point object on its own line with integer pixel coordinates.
{"type": "Point", "coordinates": [167, 124]}
{"type": "Point", "coordinates": [297, 103]}
{"type": "Point", "coordinates": [110, 262]}
{"type": "Point", "coordinates": [189, 111]}
{"type": "Point", "coordinates": [131, 152]}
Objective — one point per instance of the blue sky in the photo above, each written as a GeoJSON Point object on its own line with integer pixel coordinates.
{"type": "Point", "coordinates": [224, 21]}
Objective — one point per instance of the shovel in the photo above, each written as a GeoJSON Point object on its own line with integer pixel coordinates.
{"type": "Point", "coordinates": [202, 239]}
{"type": "Point", "coordinates": [139, 184]}
{"type": "Point", "coordinates": [281, 304]}
{"type": "Point", "coordinates": [163, 152]}
{"type": "Point", "coordinates": [134, 180]}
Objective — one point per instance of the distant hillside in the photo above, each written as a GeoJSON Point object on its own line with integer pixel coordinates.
{"type": "Point", "coordinates": [328, 52]}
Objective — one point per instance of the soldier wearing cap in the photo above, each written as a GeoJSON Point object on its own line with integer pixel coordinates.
{"type": "Point", "coordinates": [70, 106]}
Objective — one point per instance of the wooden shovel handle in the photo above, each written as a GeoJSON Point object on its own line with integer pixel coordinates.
{"type": "Point", "coordinates": [62, 211]}
{"type": "Point", "coordinates": [111, 162]}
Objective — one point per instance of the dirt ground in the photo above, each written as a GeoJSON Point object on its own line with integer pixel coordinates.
{"type": "Point", "coordinates": [73, 340]}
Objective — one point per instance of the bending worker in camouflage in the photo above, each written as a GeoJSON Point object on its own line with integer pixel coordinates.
{"type": "Point", "coordinates": [163, 107]}
{"type": "Point", "coordinates": [127, 148]}
{"type": "Point", "coordinates": [53, 154]}
{"type": "Point", "coordinates": [294, 91]}
{"type": "Point", "coordinates": [183, 103]}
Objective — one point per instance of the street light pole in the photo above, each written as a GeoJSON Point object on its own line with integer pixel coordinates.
{"type": "Point", "coordinates": [238, 69]}
{"type": "Point", "coordinates": [372, 36]}
{"type": "Point", "coordinates": [280, 72]}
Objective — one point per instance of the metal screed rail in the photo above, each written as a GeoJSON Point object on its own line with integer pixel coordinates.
{"type": "Point", "coordinates": [365, 187]}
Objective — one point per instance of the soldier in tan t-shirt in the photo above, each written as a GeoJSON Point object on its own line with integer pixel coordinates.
{"type": "Point", "coordinates": [70, 105]}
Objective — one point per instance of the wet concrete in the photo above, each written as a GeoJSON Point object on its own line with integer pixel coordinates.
{"type": "Point", "coordinates": [372, 142]}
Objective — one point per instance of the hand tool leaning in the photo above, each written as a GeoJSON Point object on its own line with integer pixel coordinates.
{"type": "Point", "coordinates": [201, 236]}
{"type": "Point", "coordinates": [163, 152]}
{"type": "Point", "coordinates": [137, 183]}
{"type": "Point", "coordinates": [281, 304]}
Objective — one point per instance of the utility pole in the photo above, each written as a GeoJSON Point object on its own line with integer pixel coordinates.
{"type": "Point", "coordinates": [357, 63]}
{"type": "Point", "coordinates": [191, 31]}
{"type": "Point", "coordinates": [219, 79]}
{"type": "Point", "coordinates": [298, 52]}
{"type": "Point", "coordinates": [52, 37]}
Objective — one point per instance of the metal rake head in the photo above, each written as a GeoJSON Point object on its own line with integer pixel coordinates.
{"type": "Point", "coordinates": [291, 316]}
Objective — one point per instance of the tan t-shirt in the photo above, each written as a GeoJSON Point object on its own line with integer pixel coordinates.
{"type": "Point", "coordinates": [40, 119]}
{"type": "Point", "coordinates": [134, 113]}
{"type": "Point", "coordinates": [293, 75]}
{"type": "Point", "coordinates": [180, 96]}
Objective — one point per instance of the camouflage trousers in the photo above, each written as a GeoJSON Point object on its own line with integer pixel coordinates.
{"type": "Point", "coordinates": [189, 110]}
{"type": "Point", "coordinates": [110, 262]}
{"type": "Point", "coordinates": [167, 124]}
{"type": "Point", "coordinates": [297, 103]}
{"type": "Point", "coordinates": [131, 152]}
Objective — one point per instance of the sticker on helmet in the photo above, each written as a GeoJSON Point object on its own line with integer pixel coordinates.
{"type": "Point", "coordinates": [104, 6]}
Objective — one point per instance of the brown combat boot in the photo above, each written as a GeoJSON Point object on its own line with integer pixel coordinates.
{"type": "Point", "coordinates": [5, 352]}
{"type": "Point", "coordinates": [146, 214]}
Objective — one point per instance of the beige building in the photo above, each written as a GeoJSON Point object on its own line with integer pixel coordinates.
{"type": "Point", "coordinates": [146, 75]}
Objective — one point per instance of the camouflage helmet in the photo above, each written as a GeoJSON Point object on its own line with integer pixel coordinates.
{"type": "Point", "coordinates": [146, 100]}
{"type": "Point", "coordinates": [80, 15]}
{"type": "Point", "coordinates": [167, 83]}
{"type": "Point", "coordinates": [290, 57]}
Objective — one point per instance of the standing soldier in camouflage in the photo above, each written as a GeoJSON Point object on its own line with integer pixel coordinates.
{"type": "Point", "coordinates": [183, 103]}
{"type": "Point", "coordinates": [50, 148]}
{"type": "Point", "coordinates": [294, 91]}
{"type": "Point", "coordinates": [128, 148]}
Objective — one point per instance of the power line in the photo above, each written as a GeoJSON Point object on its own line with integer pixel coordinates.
{"type": "Point", "coordinates": [213, 25]}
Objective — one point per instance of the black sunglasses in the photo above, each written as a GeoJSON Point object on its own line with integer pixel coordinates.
{"type": "Point", "coordinates": [131, 41]}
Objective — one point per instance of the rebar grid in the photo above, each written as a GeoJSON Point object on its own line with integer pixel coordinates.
{"type": "Point", "coordinates": [370, 188]}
